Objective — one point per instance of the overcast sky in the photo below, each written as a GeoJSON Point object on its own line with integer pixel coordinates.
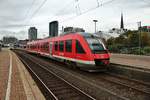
{"type": "Point", "coordinates": [16, 16]}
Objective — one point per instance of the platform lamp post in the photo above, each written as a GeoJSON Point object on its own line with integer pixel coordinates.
{"type": "Point", "coordinates": [139, 29]}
{"type": "Point", "coordinates": [95, 24]}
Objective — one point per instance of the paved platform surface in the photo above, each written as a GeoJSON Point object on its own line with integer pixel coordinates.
{"type": "Point", "coordinates": [15, 81]}
{"type": "Point", "coordinates": [131, 60]}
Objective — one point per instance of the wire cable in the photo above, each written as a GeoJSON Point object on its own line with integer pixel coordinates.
{"type": "Point", "coordinates": [37, 10]}
{"type": "Point", "coordinates": [62, 9]}
{"type": "Point", "coordinates": [70, 18]}
{"type": "Point", "coordinates": [28, 11]}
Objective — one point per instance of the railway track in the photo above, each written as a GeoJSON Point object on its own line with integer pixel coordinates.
{"type": "Point", "coordinates": [122, 88]}
{"type": "Point", "coordinates": [132, 84]}
{"type": "Point", "coordinates": [53, 86]}
{"type": "Point", "coordinates": [129, 89]}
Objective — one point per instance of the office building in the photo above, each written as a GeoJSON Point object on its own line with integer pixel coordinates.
{"type": "Point", "coordinates": [32, 33]}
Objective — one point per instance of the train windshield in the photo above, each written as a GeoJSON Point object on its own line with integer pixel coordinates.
{"type": "Point", "coordinates": [95, 45]}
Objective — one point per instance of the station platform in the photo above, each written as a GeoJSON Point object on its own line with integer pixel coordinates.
{"type": "Point", "coordinates": [138, 61]}
{"type": "Point", "coordinates": [15, 81]}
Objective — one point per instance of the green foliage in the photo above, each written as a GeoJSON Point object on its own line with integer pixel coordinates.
{"type": "Point", "coordinates": [147, 50]}
{"type": "Point", "coordinates": [129, 43]}
{"type": "Point", "coordinates": [115, 48]}
{"type": "Point", "coordinates": [110, 41]}
{"type": "Point", "coordinates": [136, 50]}
{"type": "Point", "coordinates": [145, 39]}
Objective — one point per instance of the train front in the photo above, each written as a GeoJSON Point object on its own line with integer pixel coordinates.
{"type": "Point", "coordinates": [99, 53]}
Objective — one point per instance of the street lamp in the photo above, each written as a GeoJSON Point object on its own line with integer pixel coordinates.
{"type": "Point", "coordinates": [139, 28]}
{"type": "Point", "coordinates": [95, 24]}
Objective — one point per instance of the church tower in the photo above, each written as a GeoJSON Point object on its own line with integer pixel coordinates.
{"type": "Point", "coordinates": [121, 24]}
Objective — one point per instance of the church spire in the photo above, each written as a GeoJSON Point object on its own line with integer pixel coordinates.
{"type": "Point", "coordinates": [122, 24]}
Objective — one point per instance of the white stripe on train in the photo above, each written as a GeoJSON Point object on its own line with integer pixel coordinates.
{"type": "Point", "coordinates": [75, 60]}
{"type": "Point", "coordinates": [66, 58]}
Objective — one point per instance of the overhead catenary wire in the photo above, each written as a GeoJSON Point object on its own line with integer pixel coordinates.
{"type": "Point", "coordinates": [34, 13]}
{"type": "Point", "coordinates": [77, 7]}
{"type": "Point", "coordinates": [28, 11]}
{"type": "Point", "coordinates": [81, 13]}
{"type": "Point", "coordinates": [91, 9]}
{"type": "Point", "coordinates": [62, 9]}
{"type": "Point", "coordinates": [27, 14]}
{"type": "Point", "coordinates": [73, 17]}
{"type": "Point", "coordinates": [37, 10]}
{"type": "Point", "coordinates": [25, 17]}
{"type": "Point", "coordinates": [42, 4]}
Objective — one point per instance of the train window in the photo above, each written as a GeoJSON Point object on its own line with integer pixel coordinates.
{"type": "Point", "coordinates": [61, 46]}
{"type": "Point", "coordinates": [46, 46]}
{"type": "Point", "coordinates": [95, 45]}
{"type": "Point", "coordinates": [79, 48]}
{"type": "Point", "coordinates": [68, 46]}
{"type": "Point", "coordinates": [56, 46]}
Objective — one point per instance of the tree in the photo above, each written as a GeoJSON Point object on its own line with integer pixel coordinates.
{"type": "Point", "coordinates": [110, 41]}
{"type": "Point", "coordinates": [145, 39]}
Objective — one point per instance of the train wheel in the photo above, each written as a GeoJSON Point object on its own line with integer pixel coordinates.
{"type": "Point", "coordinates": [70, 64]}
{"type": "Point", "coordinates": [74, 65]}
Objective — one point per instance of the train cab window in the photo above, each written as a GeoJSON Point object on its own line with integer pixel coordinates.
{"type": "Point", "coordinates": [56, 46]}
{"type": "Point", "coordinates": [68, 46]}
{"type": "Point", "coordinates": [79, 48]}
{"type": "Point", "coordinates": [61, 46]}
{"type": "Point", "coordinates": [96, 46]}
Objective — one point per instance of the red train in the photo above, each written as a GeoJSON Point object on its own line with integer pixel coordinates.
{"type": "Point", "coordinates": [83, 50]}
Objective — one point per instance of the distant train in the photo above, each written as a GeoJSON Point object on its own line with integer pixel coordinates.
{"type": "Point", "coordinates": [81, 49]}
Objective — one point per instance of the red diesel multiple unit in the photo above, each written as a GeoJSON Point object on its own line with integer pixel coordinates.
{"type": "Point", "coordinates": [81, 49]}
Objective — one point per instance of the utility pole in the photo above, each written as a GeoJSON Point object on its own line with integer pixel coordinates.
{"type": "Point", "coordinates": [95, 24]}
{"type": "Point", "coordinates": [139, 29]}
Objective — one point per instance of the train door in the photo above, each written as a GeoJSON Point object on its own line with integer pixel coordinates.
{"type": "Point", "coordinates": [50, 48]}
{"type": "Point", "coordinates": [80, 52]}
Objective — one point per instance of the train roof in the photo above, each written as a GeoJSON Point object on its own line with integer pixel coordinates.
{"type": "Point", "coordinates": [84, 34]}
{"type": "Point", "coordinates": [88, 35]}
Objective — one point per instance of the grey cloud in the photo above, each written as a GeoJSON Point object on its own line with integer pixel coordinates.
{"type": "Point", "coordinates": [13, 26]}
{"type": "Point", "coordinates": [20, 35]}
{"type": "Point", "coordinates": [13, 13]}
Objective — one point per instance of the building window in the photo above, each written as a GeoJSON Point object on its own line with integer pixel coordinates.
{"type": "Point", "coordinates": [56, 46]}
{"type": "Point", "coordinates": [79, 48]}
{"type": "Point", "coordinates": [68, 46]}
{"type": "Point", "coordinates": [61, 46]}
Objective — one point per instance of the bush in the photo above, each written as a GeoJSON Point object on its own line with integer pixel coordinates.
{"type": "Point", "coordinates": [115, 48]}
{"type": "Point", "coordinates": [147, 50]}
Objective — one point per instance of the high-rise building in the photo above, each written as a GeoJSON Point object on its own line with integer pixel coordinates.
{"type": "Point", "coordinates": [122, 23]}
{"type": "Point", "coordinates": [32, 33]}
{"type": "Point", "coordinates": [53, 29]}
